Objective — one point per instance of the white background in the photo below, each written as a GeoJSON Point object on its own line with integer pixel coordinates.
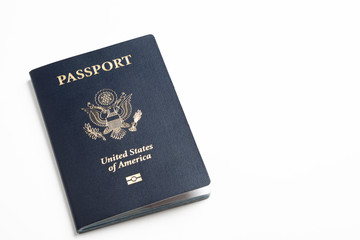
{"type": "Point", "coordinates": [270, 90]}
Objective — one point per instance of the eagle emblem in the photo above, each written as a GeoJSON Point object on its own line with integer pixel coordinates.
{"type": "Point", "coordinates": [111, 113]}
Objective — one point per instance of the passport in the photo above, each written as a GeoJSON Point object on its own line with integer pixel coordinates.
{"type": "Point", "coordinates": [122, 144]}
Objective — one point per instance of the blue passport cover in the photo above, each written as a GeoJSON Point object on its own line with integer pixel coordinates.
{"type": "Point", "coordinates": [117, 129]}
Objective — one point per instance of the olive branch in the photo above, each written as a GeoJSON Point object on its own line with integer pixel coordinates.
{"type": "Point", "coordinates": [94, 133]}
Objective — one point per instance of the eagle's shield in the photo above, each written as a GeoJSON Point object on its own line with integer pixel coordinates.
{"type": "Point", "coordinates": [114, 122]}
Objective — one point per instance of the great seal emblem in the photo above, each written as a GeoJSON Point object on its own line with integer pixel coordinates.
{"type": "Point", "coordinates": [111, 113]}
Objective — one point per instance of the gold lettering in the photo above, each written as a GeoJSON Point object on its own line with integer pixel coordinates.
{"type": "Point", "coordinates": [121, 164]}
{"type": "Point", "coordinates": [71, 77]}
{"type": "Point", "coordinates": [125, 154]}
{"type": "Point", "coordinates": [61, 79]}
{"type": "Point", "coordinates": [132, 152]}
{"type": "Point", "coordinates": [96, 68]}
{"type": "Point", "coordinates": [104, 68]}
{"type": "Point", "coordinates": [117, 63]}
{"type": "Point", "coordinates": [80, 74]}
{"type": "Point", "coordinates": [127, 59]}
{"type": "Point", "coordinates": [88, 72]}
